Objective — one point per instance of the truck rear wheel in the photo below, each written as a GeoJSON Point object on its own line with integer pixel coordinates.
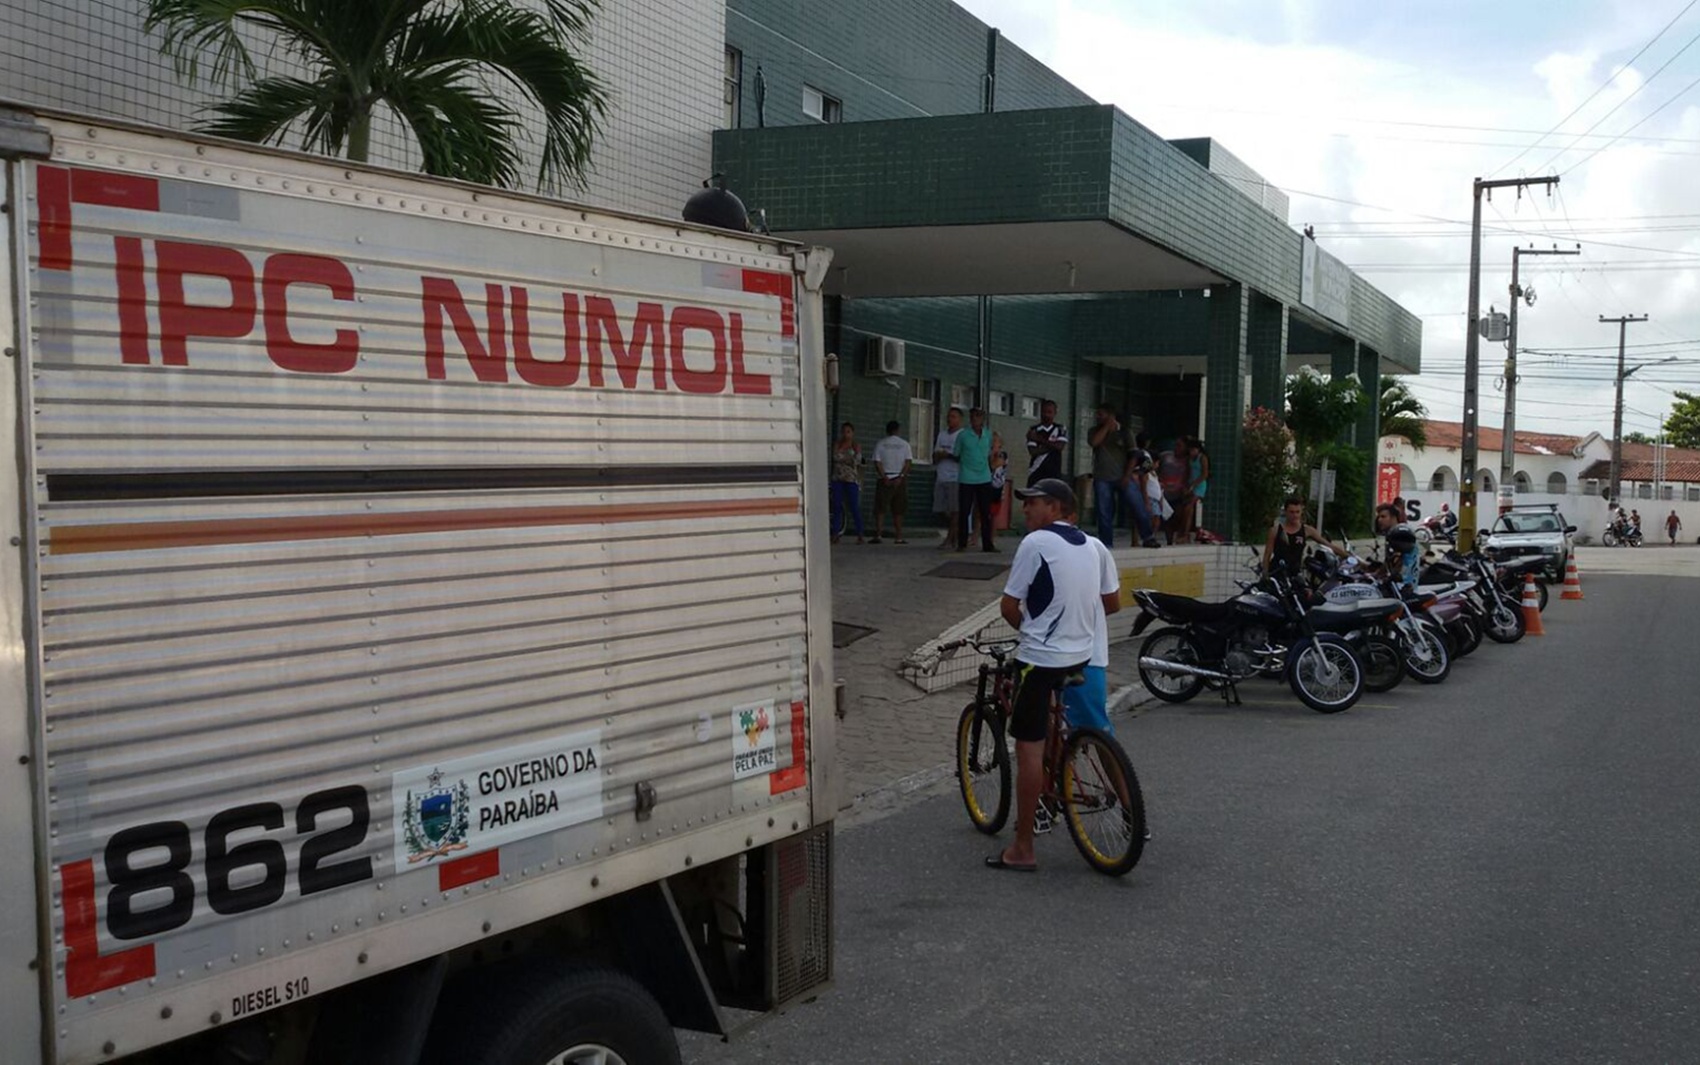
{"type": "Point", "coordinates": [553, 1014]}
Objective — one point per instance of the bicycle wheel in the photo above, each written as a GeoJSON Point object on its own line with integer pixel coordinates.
{"type": "Point", "coordinates": [1171, 645]}
{"type": "Point", "coordinates": [982, 767]}
{"type": "Point", "coordinates": [1101, 802]}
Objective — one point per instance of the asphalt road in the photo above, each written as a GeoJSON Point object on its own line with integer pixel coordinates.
{"type": "Point", "coordinates": [1500, 868]}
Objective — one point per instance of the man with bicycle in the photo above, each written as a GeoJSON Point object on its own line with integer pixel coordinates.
{"type": "Point", "coordinates": [1059, 587]}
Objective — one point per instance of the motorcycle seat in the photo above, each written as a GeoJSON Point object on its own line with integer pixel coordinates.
{"type": "Point", "coordinates": [1352, 614]}
{"type": "Point", "coordinates": [1186, 610]}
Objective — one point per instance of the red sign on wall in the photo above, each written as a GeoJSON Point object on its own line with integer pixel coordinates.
{"type": "Point", "coordinates": [1387, 482]}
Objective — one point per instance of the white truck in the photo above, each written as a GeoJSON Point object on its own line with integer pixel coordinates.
{"type": "Point", "coordinates": [416, 642]}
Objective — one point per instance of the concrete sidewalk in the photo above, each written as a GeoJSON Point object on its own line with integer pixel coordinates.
{"type": "Point", "coordinates": [895, 742]}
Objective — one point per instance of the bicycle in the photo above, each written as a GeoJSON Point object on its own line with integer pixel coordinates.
{"type": "Point", "coordinates": [1089, 780]}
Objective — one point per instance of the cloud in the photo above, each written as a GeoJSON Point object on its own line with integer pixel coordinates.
{"type": "Point", "coordinates": [1380, 109]}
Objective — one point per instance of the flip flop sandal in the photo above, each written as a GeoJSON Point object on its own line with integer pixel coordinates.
{"type": "Point", "coordinates": [995, 861]}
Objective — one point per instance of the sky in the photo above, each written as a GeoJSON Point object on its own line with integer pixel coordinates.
{"type": "Point", "coordinates": [1377, 120]}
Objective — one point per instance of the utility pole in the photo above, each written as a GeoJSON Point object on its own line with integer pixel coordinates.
{"type": "Point", "coordinates": [1507, 460]}
{"type": "Point", "coordinates": [1617, 415]}
{"type": "Point", "coordinates": [1472, 357]}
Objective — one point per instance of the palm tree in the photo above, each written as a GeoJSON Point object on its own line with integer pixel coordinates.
{"type": "Point", "coordinates": [1402, 413]}
{"type": "Point", "coordinates": [440, 66]}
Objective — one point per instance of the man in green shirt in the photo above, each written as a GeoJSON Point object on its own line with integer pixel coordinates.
{"type": "Point", "coordinates": [974, 455]}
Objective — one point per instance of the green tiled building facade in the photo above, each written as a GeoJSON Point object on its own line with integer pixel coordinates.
{"type": "Point", "coordinates": [1026, 242]}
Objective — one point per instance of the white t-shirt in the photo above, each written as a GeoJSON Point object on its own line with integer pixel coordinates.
{"type": "Point", "coordinates": [891, 455]}
{"type": "Point", "coordinates": [1059, 577]}
{"type": "Point", "coordinates": [1112, 579]}
{"type": "Point", "coordinates": [949, 468]}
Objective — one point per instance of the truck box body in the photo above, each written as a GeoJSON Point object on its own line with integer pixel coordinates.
{"type": "Point", "coordinates": [397, 560]}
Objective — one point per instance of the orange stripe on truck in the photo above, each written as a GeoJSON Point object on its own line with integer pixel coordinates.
{"type": "Point", "coordinates": [155, 535]}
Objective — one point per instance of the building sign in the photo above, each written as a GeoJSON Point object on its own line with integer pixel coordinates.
{"type": "Point", "coordinates": [1325, 283]}
{"type": "Point", "coordinates": [1387, 483]}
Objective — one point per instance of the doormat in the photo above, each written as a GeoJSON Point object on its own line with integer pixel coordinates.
{"type": "Point", "coordinates": [843, 635]}
{"type": "Point", "coordinates": [968, 571]}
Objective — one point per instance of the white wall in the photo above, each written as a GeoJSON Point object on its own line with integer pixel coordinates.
{"type": "Point", "coordinates": [660, 60]}
{"type": "Point", "coordinates": [1586, 512]}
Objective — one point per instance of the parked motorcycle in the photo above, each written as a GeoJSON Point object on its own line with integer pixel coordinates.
{"type": "Point", "coordinates": [1218, 645]}
{"type": "Point", "coordinates": [1421, 637]}
{"type": "Point", "coordinates": [1498, 607]}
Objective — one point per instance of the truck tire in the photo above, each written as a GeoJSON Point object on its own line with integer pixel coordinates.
{"type": "Point", "coordinates": [552, 1013]}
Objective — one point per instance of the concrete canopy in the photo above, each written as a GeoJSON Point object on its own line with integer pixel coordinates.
{"type": "Point", "coordinates": [999, 259]}
{"type": "Point", "coordinates": [1069, 200]}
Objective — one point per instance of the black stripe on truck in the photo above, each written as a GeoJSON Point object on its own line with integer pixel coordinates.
{"type": "Point", "coordinates": [95, 487]}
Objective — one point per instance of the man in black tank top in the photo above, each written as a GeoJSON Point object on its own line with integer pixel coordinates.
{"type": "Point", "coordinates": [1288, 538]}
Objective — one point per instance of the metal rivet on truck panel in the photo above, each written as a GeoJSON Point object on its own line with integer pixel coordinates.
{"type": "Point", "coordinates": [109, 1047]}
{"type": "Point", "coordinates": [362, 958]}
{"type": "Point", "coordinates": [217, 1017]}
{"type": "Point", "coordinates": [165, 1013]}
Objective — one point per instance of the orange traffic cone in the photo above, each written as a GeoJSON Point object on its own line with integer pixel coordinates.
{"type": "Point", "coordinates": [1532, 608]}
{"type": "Point", "coordinates": [1572, 581]}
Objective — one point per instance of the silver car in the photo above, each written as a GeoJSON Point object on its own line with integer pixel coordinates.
{"type": "Point", "coordinates": [1533, 530]}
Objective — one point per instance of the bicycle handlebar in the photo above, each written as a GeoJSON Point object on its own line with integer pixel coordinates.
{"type": "Point", "coordinates": [998, 649]}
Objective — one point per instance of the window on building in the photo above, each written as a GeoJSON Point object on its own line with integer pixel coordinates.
{"type": "Point", "coordinates": [821, 107]}
{"type": "Point", "coordinates": [1486, 483]}
{"type": "Point", "coordinates": [1643, 491]}
{"type": "Point", "coordinates": [1667, 491]}
{"type": "Point", "coordinates": [1443, 480]}
{"type": "Point", "coordinates": [1002, 403]}
{"type": "Point", "coordinates": [1520, 482]}
{"type": "Point", "coordinates": [734, 87]}
{"type": "Point", "coordinates": [964, 396]}
{"type": "Point", "coordinates": [923, 417]}
{"type": "Point", "coordinates": [1556, 484]}
{"type": "Point", "coordinates": [1593, 486]}
{"type": "Point", "coordinates": [1029, 406]}
{"type": "Point", "coordinates": [1692, 495]}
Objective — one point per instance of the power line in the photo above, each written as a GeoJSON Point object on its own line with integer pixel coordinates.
{"type": "Point", "coordinates": [1602, 88]}
{"type": "Point", "coordinates": [1633, 93]}
{"type": "Point", "coordinates": [1644, 119]}
{"type": "Point", "coordinates": [1507, 229]}
{"type": "Point", "coordinates": [1541, 134]}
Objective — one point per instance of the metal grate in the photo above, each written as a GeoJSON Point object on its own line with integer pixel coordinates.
{"type": "Point", "coordinates": [844, 634]}
{"type": "Point", "coordinates": [801, 919]}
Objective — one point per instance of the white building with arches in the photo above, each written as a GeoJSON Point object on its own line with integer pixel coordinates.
{"type": "Point", "coordinates": [1572, 471]}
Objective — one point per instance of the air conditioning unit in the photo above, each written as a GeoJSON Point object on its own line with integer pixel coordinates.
{"type": "Point", "coordinates": [885, 357]}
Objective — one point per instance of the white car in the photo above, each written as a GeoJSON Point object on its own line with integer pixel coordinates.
{"type": "Point", "coordinates": [1534, 530]}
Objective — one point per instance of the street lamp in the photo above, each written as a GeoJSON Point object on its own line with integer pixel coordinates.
{"type": "Point", "coordinates": [1617, 420]}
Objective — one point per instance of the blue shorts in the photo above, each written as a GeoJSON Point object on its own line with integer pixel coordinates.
{"type": "Point", "coordinates": [1087, 705]}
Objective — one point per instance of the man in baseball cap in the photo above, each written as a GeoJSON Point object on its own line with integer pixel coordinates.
{"type": "Point", "coordinates": [1059, 589]}
{"type": "Point", "coordinates": [1049, 488]}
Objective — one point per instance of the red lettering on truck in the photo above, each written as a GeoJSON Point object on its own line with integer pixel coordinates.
{"type": "Point", "coordinates": [338, 355]}
{"type": "Point", "coordinates": [178, 318]}
{"type": "Point", "coordinates": [602, 328]}
{"type": "Point", "coordinates": [213, 292]}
